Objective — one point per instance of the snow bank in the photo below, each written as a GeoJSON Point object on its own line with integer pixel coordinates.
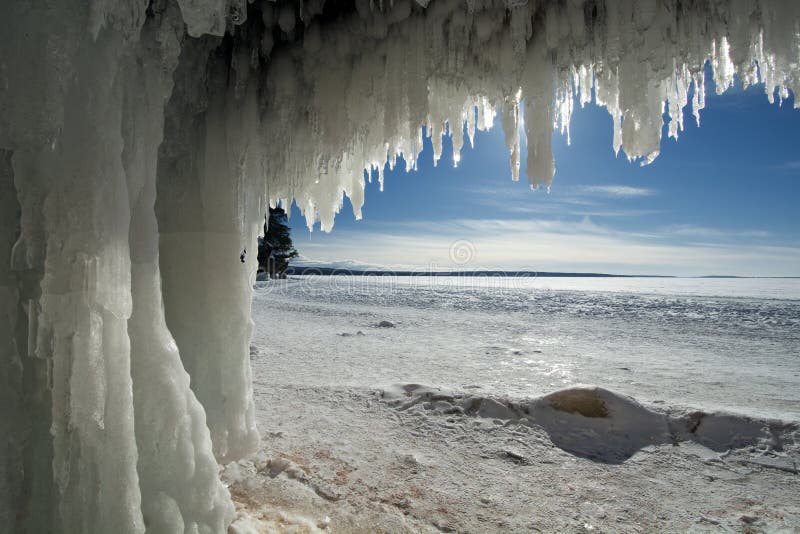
{"type": "Point", "coordinates": [596, 423]}
{"type": "Point", "coordinates": [124, 344]}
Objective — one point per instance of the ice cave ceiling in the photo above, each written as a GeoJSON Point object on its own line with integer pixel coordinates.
{"type": "Point", "coordinates": [141, 141]}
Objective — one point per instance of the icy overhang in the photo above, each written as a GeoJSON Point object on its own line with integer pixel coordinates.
{"type": "Point", "coordinates": [346, 86]}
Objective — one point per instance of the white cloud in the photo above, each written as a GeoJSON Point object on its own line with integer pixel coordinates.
{"type": "Point", "coordinates": [685, 230]}
{"type": "Point", "coordinates": [539, 203]}
{"type": "Point", "coordinates": [347, 264]}
{"type": "Point", "coordinates": [618, 191]}
{"type": "Point", "coordinates": [549, 245]}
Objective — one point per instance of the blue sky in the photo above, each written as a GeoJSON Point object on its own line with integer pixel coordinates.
{"type": "Point", "coordinates": [721, 200]}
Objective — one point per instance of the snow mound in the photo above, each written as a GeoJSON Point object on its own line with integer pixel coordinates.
{"type": "Point", "coordinates": [602, 425]}
{"type": "Point", "coordinates": [597, 423]}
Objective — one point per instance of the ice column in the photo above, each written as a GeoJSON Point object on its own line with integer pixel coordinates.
{"type": "Point", "coordinates": [76, 190]}
{"type": "Point", "coordinates": [207, 215]}
{"type": "Point", "coordinates": [178, 474]}
{"type": "Point", "coordinates": [99, 430]}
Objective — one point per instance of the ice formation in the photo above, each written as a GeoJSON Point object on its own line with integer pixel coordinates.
{"type": "Point", "coordinates": [141, 141]}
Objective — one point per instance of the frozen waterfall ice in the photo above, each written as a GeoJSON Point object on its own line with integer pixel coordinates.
{"type": "Point", "coordinates": [141, 141]}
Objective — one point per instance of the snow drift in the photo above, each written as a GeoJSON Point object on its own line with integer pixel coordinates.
{"type": "Point", "coordinates": [140, 143]}
{"type": "Point", "coordinates": [605, 426]}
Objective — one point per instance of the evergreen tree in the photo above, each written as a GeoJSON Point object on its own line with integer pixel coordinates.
{"type": "Point", "coordinates": [275, 249]}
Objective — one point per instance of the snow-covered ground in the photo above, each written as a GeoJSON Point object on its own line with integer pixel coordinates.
{"type": "Point", "coordinates": [706, 344]}
{"type": "Point", "coordinates": [351, 444]}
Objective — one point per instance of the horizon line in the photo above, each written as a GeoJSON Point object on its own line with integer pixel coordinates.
{"type": "Point", "coordinates": [342, 271]}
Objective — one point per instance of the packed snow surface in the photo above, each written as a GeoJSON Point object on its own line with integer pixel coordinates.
{"type": "Point", "coordinates": [471, 413]}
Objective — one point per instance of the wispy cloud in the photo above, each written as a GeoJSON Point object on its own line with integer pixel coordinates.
{"type": "Point", "coordinates": [685, 230]}
{"type": "Point", "coordinates": [348, 264]}
{"type": "Point", "coordinates": [551, 245]}
{"type": "Point", "coordinates": [618, 191]}
{"type": "Point", "coordinates": [600, 212]}
{"type": "Point", "coordinates": [579, 201]}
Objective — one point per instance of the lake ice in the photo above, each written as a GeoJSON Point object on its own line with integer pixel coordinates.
{"type": "Point", "coordinates": [712, 344]}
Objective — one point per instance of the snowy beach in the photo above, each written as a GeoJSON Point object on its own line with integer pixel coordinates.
{"type": "Point", "coordinates": [426, 404]}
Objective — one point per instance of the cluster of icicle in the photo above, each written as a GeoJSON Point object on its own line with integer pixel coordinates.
{"type": "Point", "coordinates": [352, 95]}
{"type": "Point", "coordinates": [140, 143]}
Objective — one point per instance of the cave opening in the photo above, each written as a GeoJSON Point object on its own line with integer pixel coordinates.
{"type": "Point", "coordinates": [141, 143]}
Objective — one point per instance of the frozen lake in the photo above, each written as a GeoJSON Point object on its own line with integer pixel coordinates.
{"type": "Point", "coordinates": [714, 344]}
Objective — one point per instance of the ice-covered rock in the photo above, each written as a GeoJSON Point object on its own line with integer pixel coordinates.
{"type": "Point", "coordinates": [595, 422]}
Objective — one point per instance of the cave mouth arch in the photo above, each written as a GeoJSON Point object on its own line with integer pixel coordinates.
{"type": "Point", "coordinates": [141, 142]}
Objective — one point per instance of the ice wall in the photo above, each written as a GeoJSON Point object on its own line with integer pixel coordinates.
{"type": "Point", "coordinates": [101, 430]}
{"type": "Point", "coordinates": [141, 141]}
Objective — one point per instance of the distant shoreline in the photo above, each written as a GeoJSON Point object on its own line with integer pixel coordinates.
{"type": "Point", "coordinates": [331, 271]}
